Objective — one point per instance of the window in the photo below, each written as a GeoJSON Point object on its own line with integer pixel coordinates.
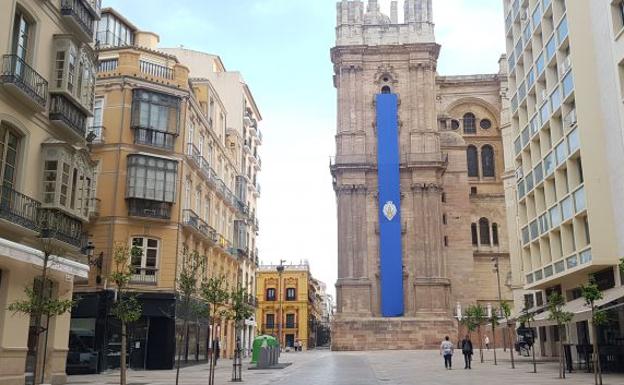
{"type": "Point", "coordinates": [291, 294]}
{"type": "Point", "coordinates": [151, 178]}
{"type": "Point", "coordinates": [9, 150]}
{"type": "Point", "coordinates": [144, 263]}
{"type": "Point", "coordinates": [446, 241]}
{"type": "Point", "coordinates": [290, 321]}
{"type": "Point", "coordinates": [270, 294]}
{"type": "Point", "coordinates": [470, 124]}
{"type": "Point", "coordinates": [487, 161]}
{"type": "Point", "coordinates": [454, 124]}
{"type": "Point", "coordinates": [473, 191]}
{"type": "Point", "coordinates": [155, 111]}
{"type": "Point", "coordinates": [485, 124]}
{"type": "Point", "coordinates": [386, 90]}
{"type": "Point", "coordinates": [22, 35]}
{"type": "Point", "coordinates": [473, 161]}
{"type": "Point", "coordinates": [617, 9]}
{"type": "Point", "coordinates": [475, 238]}
{"type": "Point", "coordinates": [270, 321]}
{"type": "Point", "coordinates": [495, 234]}
{"type": "Point", "coordinates": [484, 231]}
{"type": "Point", "coordinates": [529, 301]}
{"type": "Point", "coordinates": [112, 32]}
{"type": "Point", "coordinates": [96, 122]}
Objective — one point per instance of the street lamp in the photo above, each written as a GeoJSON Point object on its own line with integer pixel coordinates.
{"type": "Point", "coordinates": [495, 259]}
{"type": "Point", "coordinates": [280, 271]}
{"type": "Point", "coordinates": [459, 317]}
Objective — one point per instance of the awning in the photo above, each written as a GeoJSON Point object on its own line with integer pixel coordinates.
{"type": "Point", "coordinates": [578, 307]}
{"type": "Point", "coordinates": [32, 256]}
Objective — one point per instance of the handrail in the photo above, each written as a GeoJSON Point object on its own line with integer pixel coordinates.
{"type": "Point", "coordinates": [16, 70]}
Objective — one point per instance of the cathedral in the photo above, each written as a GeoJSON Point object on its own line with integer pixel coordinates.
{"type": "Point", "coordinates": [419, 177]}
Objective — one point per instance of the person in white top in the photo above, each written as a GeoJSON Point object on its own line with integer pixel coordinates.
{"type": "Point", "coordinates": [487, 342]}
{"type": "Point", "coordinates": [446, 350]}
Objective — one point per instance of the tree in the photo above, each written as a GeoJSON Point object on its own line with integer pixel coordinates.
{"type": "Point", "coordinates": [526, 318]}
{"type": "Point", "coordinates": [188, 282]}
{"type": "Point", "coordinates": [40, 303]}
{"type": "Point", "coordinates": [214, 293]}
{"type": "Point", "coordinates": [592, 293]}
{"type": "Point", "coordinates": [562, 318]}
{"type": "Point", "coordinates": [241, 310]}
{"type": "Point", "coordinates": [506, 310]}
{"type": "Point", "coordinates": [126, 308]}
{"type": "Point", "coordinates": [493, 320]}
{"type": "Point", "coordinates": [478, 316]}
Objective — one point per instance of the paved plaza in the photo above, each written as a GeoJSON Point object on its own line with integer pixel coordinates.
{"type": "Point", "coordinates": [363, 368]}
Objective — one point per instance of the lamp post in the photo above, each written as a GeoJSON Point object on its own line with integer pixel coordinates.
{"type": "Point", "coordinates": [458, 315]}
{"type": "Point", "coordinates": [280, 271]}
{"type": "Point", "coordinates": [500, 304]}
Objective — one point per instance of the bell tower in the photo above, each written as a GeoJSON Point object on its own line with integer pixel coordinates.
{"type": "Point", "coordinates": [393, 288]}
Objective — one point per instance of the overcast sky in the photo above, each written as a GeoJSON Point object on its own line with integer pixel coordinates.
{"type": "Point", "coordinates": [282, 49]}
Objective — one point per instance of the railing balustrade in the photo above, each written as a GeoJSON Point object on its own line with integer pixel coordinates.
{"type": "Point", "coordinates": [16, 71]}
{"type": "Point", "coordinates": [18, 208]}
{"type": "Point", "coordinates": [156, 70]}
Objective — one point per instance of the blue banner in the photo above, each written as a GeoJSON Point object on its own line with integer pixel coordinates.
{"type": "Point", "coordinates": [391, 249]}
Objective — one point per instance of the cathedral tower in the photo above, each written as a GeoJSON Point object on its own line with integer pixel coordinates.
{"type": "Point", "coordinates": [396, 175]}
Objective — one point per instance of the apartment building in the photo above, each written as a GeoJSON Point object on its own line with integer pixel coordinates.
{"type": "Point", "coordinates": [564, 148]}
{"type": "Point", "coordinates": [48, 178]}
{"type": "Point", "coordinates": [289, 304]}
{"type": "Point", "coordinates": [171, 178]}
{"type": "Point", "coordinates": [244, 138]}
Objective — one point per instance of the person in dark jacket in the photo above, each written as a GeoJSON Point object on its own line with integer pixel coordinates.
{"type": "Point", "coordinates": [467, 351]}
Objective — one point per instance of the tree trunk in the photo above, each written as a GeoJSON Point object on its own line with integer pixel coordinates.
{"type": "Point", "coordinates": [511, 345]}
{"type": "Point", "coordinates": [38, 367]}
{"type": "Point", "coordinates": [494, 343]}
{"type": "Point", "coordinates": [480, 343]}
{"type": "Point", "coordinates": [183, 338]}
{"type": "Point", "coordinates": [122, 358]}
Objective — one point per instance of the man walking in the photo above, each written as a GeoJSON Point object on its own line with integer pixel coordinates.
{"type": "Point", "coordinates": [446, 350]}
{"type": "Point", "coordinates": [467, 351]}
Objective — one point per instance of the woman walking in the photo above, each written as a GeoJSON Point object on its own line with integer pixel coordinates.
{"type": "Point", "coordinates": [467, 351]}
{"type": "Point", "coordinates": [446, 349]}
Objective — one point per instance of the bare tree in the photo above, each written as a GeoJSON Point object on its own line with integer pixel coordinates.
{"type": "Point", "coordinates": [562, 318]}
{"type": "Point", "coordinates": [215, 295]}
{"type": "Point", "coordinates": [126, 308]}
{"type": "Point", "coordinates": [592, 293]}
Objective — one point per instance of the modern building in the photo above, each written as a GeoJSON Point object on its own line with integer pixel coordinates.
{"type": "Point", "coordinates": [47, 176]}
{"type": "Point", "coordinates": [418, 176]}
{"type": "Point", "coordinates": [289, 304]}
{"type": "Point", "coordinates": [171, 179]}
{"type": "Point", "coordinates": [564, 148]}
{"type": "Point", "coordinates": [245, 139]}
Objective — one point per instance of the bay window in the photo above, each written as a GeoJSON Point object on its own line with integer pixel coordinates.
{"type": "Point", "coordinates": [74, 72]}
{"type": "Point", "coordinates": [151, 178]}
{"type": "Point", "coordinates": [155, 111]}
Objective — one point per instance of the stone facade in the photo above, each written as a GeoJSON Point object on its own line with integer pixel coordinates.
{"type": "Point", "coordinates": [439, 119]}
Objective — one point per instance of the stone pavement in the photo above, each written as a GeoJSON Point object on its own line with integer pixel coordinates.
{"type": "Point", "coordinates": [365, 368]}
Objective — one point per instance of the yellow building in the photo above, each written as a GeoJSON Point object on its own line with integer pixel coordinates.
{"type": "Point", "coordinates": [46, 174]}
{"type": "Point", "coordinates": [288, 304]}
{"type": "Point", "coordinates": [171, 178]}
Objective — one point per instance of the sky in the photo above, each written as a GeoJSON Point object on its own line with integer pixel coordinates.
{"type": "Point", "coordinates": [282, 49]}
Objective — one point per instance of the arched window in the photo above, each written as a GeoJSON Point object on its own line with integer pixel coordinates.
{"type": "Point", "coordinates": [470, 123]}
{"type": "Point", "coordinates": [484, 231]}
{"type": "Point", "coordinates": [386, 90]}
{"type": "Point", "coordinates": [487, 160]}
{"type": "Point", "coordinates": [495, 234]}
{"type": "Point", "coordinates": [473, 230]}
{"type": "Point", "coordinates": [473, 162]}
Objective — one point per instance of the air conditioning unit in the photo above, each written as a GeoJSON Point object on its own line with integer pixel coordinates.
{"type": "Point", "coordinates": [543, 96]}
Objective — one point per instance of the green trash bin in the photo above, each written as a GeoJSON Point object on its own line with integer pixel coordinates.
{"type": "Point", "coordinates": [260, 342]}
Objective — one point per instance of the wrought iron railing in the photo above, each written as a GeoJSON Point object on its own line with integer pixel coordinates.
{"type": "Point", "coordinates": [193, 220]}
{"type": "Point", "coordinates": [144, 275]}
{"type": "Point", "coordinates": [16, 71]}
{"type": "Point", "coordinates": [61, 109]}
{"type": "Point", "coordinates": [18, 208]}
{"type": "Point", "coordinates": [154, 138]}
{"type": "Point", "coordinates": [55, 224]}
{"type": "Point", "coordinates": [156, 70]}
{"type": "Point", "coordinates": [81, 13]}
{"type": "Point", "coordinates": [149, 209]}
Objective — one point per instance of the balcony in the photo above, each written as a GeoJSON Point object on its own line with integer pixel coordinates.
{"type": "Point", "coordinates": [149, 209]}
{"type": "Point", "coordinates": [81, 16]}
{"type": "Point", "coordinates": [194, 222]}
{"type": "Point", "coordinates": [18, 209]}
{"type": "Point", "coordinates": [144, 276]}
{"type": "Point", "coordinates": [59, 226]}
{"type": "Point", "coordinates": [24, 82]}
{"type": "Point", "coordinates": [107, 65]}
{"type": "Point", "coordinates": [156, 70]}
{"type": "Point", "coordinates": [67, 116]}
{"type": "Point", "coordinates": [154, 138]}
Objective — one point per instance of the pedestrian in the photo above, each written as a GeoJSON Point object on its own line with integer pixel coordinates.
{"type": "Point", "coordinates": [487, 342]}
{"type": "Point", "coordinates": [446, 350]}
{"type": "Point", "coordinates": [467, 351]}
{"type": "Point", "coordinates": [216, 346]}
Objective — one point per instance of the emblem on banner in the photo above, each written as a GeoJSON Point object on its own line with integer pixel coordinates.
{"type": "Point", "coordinates": [390, 210]}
